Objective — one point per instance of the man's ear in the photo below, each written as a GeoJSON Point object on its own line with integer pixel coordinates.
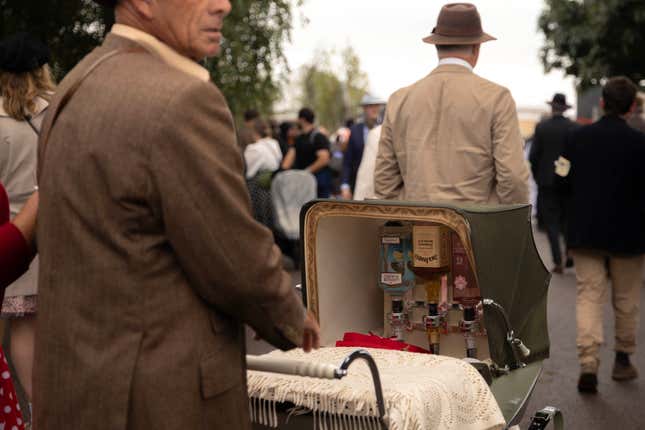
{"type": "Point", "coordinates": [143, 8]}
{"type": "Point", "coordinates": [632, 108]}
{"type": "Point", "coordinates": [602, 104]}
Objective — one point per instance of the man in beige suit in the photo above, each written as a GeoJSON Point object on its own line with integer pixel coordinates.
{"type": "Point", "coordinates": [453, 136]}
{"type": "Point", "coordinates": [150, 258]}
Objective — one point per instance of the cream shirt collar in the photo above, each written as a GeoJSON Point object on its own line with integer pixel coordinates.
{"type": "Point", "coordinates": [456, 61]}
{"type": "Point", "coordinates": [163, 51]}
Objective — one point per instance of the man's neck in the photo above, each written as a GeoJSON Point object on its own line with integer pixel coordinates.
{"type": "Point", "coordinates": [467, 58]}
{"type": "Point", "coordinates": [306, 129]}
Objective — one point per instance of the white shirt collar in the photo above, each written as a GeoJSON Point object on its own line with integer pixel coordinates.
{"type": "Point", "coordinates": [163, 51]}
{"type": "Point", "coordinates": [456, 61]}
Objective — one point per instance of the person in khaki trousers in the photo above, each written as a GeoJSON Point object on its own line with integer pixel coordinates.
{"type": "Point", "coordinates": [604, 183]}
{"type": "Point", "coordinates": [453, 136]}
{"type": "Point", "coordinates": [150, 257]}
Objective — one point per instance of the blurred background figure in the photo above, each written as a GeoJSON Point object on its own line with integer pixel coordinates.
{"type": "Point", "coordinates": [372, 108]}
{"type": "Point", "coordinates": [287, 136]}
{"type": "Point", "coordinates": [25, 88]}
{"type": "Point", "coordinates": [262, 159]}
{"type": "Point", "coordinates": [547, 145]}
{"type": "Point", "coordinates": [605, 188]}
{"type": "Point", "coordinates": [310, 151]}
{"type": "Point", "coordinates": [364, 188]}
{"type": "Point", "coordinates": [635, 119]}
{"type": "Point", "coordinates": [245, 131]}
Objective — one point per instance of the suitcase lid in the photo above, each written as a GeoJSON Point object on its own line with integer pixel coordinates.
{"type": "Point", "coordinates": [498, 239]}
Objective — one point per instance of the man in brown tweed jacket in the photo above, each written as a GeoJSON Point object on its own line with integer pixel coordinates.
{"type": "Point", "coordinates": [150, 258]}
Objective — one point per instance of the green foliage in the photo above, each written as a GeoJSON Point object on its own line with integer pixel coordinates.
{"type": "Point", "coordinates": [252, 64]}
{"type": "Point", "coordinates": [594, 39]}
{"type": "Point", "coordinates": [334, 97]}
{"type": "Point", "coordinates": [248, 72]}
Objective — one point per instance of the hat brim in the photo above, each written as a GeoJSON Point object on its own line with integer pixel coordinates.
{"type": "Point", "coordinates": [438, 39]}
{"type": "Point", "coordinates": [559, 105]}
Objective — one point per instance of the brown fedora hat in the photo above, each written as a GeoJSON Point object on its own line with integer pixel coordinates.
{"type": "Point", "coordinates": [458, 24]}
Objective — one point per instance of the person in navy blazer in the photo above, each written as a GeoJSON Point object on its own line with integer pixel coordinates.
{"type": "Point", "coordinates": [354, 154]}
{"type": "Point", "coordinates": [604, 184]}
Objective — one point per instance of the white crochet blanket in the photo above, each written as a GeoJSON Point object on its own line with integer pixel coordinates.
{"type": "Point", "coordinates": [421, 392]}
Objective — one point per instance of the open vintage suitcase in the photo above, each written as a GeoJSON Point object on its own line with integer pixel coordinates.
{"type": "Point", "coordinates": [340, 262]}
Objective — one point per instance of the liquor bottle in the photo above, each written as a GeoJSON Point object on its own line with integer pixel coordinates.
{"type": "Point", "coordinates": [469, 326]}
{"type": "Point", "coordinates": [465, 288]}
{"type": "Point", "coordinates": [397, 318]}
{"type": "Point", "coordinates": [433, 319]}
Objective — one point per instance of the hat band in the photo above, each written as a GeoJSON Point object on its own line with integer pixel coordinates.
{"type": "Point", "coordinates": [451, 34]}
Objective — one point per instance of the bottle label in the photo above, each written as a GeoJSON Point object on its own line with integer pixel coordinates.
{"type": "Point", "coordinates": [391, 278]}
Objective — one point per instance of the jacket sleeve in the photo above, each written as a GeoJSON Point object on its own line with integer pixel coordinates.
{"type": "Point", "coordinates": [512, 173]}
{"type": "Point", "coordinates": [229, 258]}
{"type": "Point", "coordinates": [388, 181]}
{"type": "Point", "coordinates": [15, 255]}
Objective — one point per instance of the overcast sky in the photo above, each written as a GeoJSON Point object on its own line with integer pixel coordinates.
{"type": "Point", "coordinates": [387, 36]}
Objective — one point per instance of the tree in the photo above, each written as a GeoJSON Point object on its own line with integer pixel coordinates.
{"type": "Point", "coordinates": [333, 97]}
{"type": "Point", "coordinates": [248, 72]}
{"type": "Point", "coordinates": [356, 80]}
{"type": "Point", "coordinates": [594, 39]}
{"type": "Point", "coordinates": [252, 64]}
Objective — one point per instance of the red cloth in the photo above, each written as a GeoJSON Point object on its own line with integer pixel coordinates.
{"type": "Point", "coordinates": [15, 255]}
{"type": "Point", "coordinates": [373, 341]}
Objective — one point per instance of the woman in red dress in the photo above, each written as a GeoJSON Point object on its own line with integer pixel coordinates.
{"type": "Point", "coordinates": [16, 252]}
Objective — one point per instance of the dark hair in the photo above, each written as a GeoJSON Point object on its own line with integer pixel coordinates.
{"type": "Point", "coordinates": [619, 94]}
{"type": "Point", "coordinates": [261, 127]}
{"type": "Point", "coordinates": [307, 114]}
{"type": "Point", "coordinates": [453, 48]}
{"type": "Point", "coordinates": [349, 122]}
{"type": "Point", "coordinates": [251, 114]}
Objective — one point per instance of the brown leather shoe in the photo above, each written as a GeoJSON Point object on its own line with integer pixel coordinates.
{"type": "Point", "coordinates": [624, 371]}
{"type": "Point", "coordinates": [557, 269]}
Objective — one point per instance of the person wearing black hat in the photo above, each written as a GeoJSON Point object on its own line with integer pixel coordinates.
{"type": "Point", "coordinates": [25, 88]}
{"type": "Point", "coordinates": [548, 143]}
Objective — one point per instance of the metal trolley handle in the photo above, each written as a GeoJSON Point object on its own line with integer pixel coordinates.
{"type": "Point", "coordinates": [323, 371]}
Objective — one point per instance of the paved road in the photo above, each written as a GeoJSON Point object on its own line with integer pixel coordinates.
{"type": "Point", "coordinates": [619, 406]}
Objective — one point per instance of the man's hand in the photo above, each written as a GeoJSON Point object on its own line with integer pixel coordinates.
{"type": "Point", "coordinates": [311, 335]}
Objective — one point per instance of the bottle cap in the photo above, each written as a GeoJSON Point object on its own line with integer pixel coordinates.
{"type": "Point", "coordinates": [397, 305]}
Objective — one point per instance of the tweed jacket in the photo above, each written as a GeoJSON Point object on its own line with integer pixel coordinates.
{"type": "Point", "coordinates": [452, 137]}
{"type": "Point", "coordinates": [150, 258]}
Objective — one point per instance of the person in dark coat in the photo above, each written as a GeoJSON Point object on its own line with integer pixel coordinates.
{"type": "Point", "coordinates": [605, 186]}
{"type": "Point", "coordinates": [353, 156]}
{"type": "Point", "coordinates": [548, 143]}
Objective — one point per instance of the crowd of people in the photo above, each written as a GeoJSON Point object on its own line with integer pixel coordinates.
{"type": "Point", "coordinates": [152, 211]}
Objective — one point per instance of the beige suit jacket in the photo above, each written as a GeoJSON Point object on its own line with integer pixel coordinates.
{"type": "Point", "coordinates": [452, 137]}
{"type": "Point", "coordinates": [150, 257]}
